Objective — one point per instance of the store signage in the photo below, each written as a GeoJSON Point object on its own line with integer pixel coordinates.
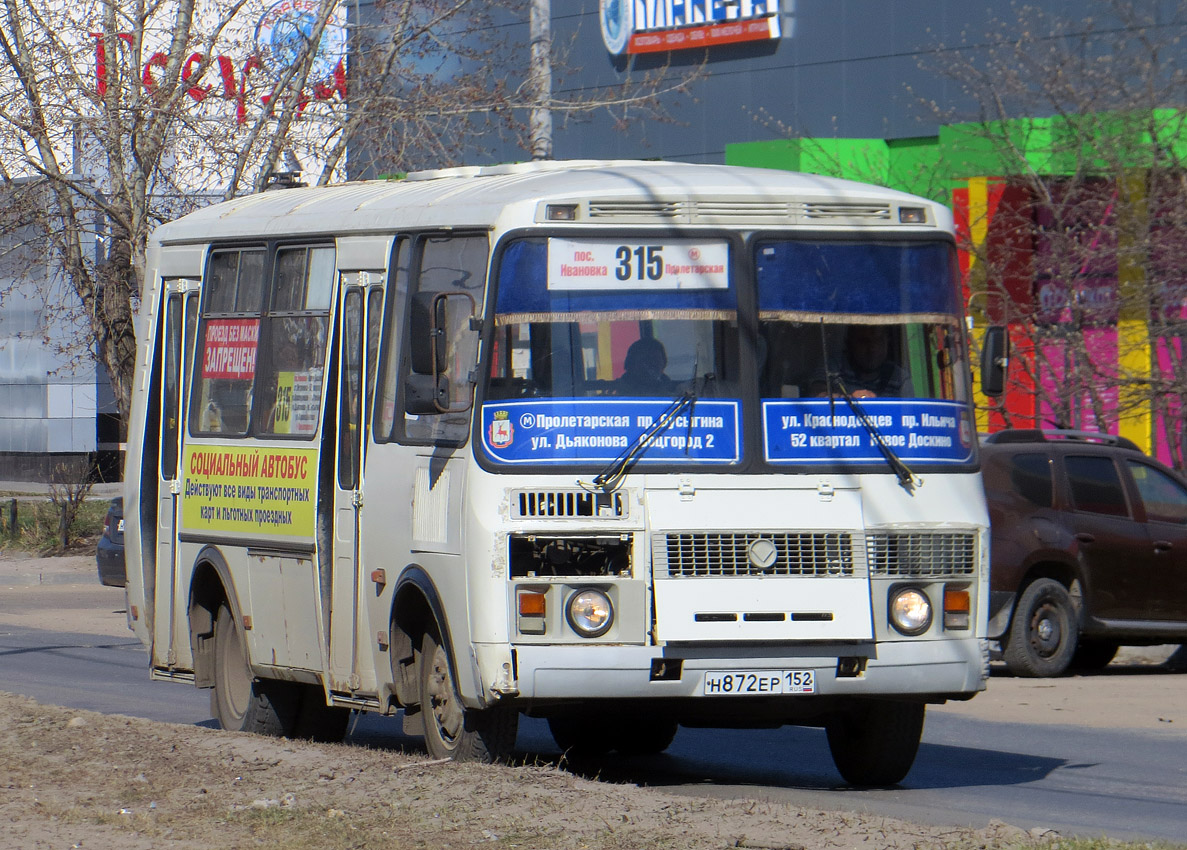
{"type": "Point", "coordinates": [653, 26]}
{"type": "Point", "coordinates": [287, 26]}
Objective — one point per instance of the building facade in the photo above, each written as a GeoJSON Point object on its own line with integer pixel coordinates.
{"type": "Point", "coordinates": [56, 404]}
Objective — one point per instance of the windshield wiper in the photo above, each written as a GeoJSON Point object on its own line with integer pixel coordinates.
{"type": "Point", "coordinates": [906, 478]}
{"type": "Point", "coordinates": [609, 478]}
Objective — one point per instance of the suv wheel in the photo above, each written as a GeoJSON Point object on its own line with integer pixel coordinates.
{"type": "Point", "coordinates": [1043, 632]}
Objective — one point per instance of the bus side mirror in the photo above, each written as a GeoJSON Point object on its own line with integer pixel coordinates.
{"type": "Point", "coordinates": [426, 395]}
{"type": "Point", "coordinates": [995, 357]}
{"type": "Point", "coordinates": [427, 333]}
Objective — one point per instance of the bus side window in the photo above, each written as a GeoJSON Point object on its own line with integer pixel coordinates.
{"type": "Point", "coordinates": [390, 343]}
{"type": "Point", "coordinates": [225, 368]}
{"type": "Point", "coordinates": [454, 265]}
{"type": "Point", "coordinates": [292, 372]}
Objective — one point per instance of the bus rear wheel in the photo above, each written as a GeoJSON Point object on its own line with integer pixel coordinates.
{"type": "Point", "coordinates": [452, 730]}
{"type": "Point", "coordinates": [874, 743]}
{"type": "Point", "coordinates": [241, 702]}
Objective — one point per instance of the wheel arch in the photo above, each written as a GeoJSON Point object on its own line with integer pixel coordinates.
{"type": "Point", "coordinates": [210, 586]}
{"type": "Point", "coordinates": [1067, 574]}
{"type": "Point", "coordinates": [417, 605]}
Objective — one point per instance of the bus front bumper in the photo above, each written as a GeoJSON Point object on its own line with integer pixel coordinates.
{"type": "Point", "coordinates": [927, 668]}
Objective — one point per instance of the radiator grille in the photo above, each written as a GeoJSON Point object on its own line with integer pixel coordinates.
{"type": "Point", "coordinates": [921, 553]}
{"type": "Point", "coordinates": [796, 554]}
{"type": "Point", "coordinates": [566, 503]}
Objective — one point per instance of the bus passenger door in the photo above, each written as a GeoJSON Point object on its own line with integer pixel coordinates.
{"type": "Point", "coordinates": [177, 339]}
{"type": "Point", "coordinates": [345, 603]}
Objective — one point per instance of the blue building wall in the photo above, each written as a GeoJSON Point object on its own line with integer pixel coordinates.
{"type": "Point", "coordinates": [843, 68]}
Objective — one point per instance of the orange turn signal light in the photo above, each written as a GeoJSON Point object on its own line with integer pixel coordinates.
{"type": "Point", "coordinates": [956, 601]}
{"type": "Point", "coordinates": [956, 608]}
{"type": "Point", "coordinates": [531, 604]}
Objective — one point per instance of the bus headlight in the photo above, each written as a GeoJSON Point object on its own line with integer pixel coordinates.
{"type": "Point", "coordinates": [910, 611]}
{"type": "Point", "coordinates": [590, 613]}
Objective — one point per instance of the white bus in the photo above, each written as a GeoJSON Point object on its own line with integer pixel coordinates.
{"type": "Point", "coordinates": [623, 445]}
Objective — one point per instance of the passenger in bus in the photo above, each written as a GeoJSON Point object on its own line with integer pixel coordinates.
{"type": "Point", "coordinates": [212, 418]}
{"type": "Point", "coordinates": [643, 370]}
{"type": "Point", "coordinates": [868, 370]}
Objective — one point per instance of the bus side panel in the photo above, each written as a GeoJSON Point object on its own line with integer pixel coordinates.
{"type": "Point", "coordinates": [411, 514]}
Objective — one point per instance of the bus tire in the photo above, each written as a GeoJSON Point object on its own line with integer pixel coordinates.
{"type": "Point", "coordinates": [239, 701]}
{"type": "Point", "coordinates": [645, 736]}
{"type": "Point", "coordinates": [451, 730]}
{"type": "Point", "coordinates": [874, 744]}
{"type": "Point", "coordinates": [582, 737]}
{"type": "Point", "coordinates": [317, 721]}
{"type": "Point", "coordinates": [1043, 632]}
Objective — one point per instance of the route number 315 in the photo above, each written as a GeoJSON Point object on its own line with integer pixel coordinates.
{"type": "Point", "coordinates": [644, 262]}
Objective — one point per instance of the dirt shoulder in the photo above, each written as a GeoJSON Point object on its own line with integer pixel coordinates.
{"type": "Point", "coordinates": [78, 779]}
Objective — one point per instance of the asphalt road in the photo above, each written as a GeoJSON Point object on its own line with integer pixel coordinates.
{"type": "Point", "coordinates": [1077, 780]}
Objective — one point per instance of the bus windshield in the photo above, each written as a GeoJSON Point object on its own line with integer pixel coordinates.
{"type": "Point", "coordinates": [877, 324]}
{"type": "Point", "coordinates": [594, 338]}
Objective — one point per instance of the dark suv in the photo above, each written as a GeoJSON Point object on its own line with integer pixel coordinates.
{"type": "Point", "coordinates": [1088, 549]}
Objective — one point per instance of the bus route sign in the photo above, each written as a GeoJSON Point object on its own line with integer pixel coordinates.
{"type": "Point", "coordinates": [584, 430]}
{"type": "Point", "coordinates": [818, 430]}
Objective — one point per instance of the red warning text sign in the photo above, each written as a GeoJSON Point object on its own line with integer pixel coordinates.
{"type": "Point", "coordinates": [230, 350]}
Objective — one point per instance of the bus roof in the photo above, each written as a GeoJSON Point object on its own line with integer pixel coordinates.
{"type": "Point", "coordinates": [478, 196]}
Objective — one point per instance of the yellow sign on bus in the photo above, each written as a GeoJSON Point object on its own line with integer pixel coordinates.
{"type": "Point", "coordinates": [269, 491]}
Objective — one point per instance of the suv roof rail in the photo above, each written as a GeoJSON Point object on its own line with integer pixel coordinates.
{"type": "Point", "coordinates": [1037, 435]}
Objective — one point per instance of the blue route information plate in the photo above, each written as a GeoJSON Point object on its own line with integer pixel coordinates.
{"type": "Point", "coordinates": [583, 430]}
{"type": "Point", "coordinates": [817, 431]}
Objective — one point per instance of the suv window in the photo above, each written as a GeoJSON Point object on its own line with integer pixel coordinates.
{"type": "Point", "coordinates": [1164, 498]}
{"type": "Point", "coordinates": [1095, 485]}
{"type": "Point", "coordinates": [1030, 476]}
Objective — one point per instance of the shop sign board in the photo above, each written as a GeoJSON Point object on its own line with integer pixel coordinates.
{"type": "Point", "coordinates": [654, 26]}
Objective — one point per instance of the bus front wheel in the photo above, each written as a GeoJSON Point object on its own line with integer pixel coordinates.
{"type": "Point", "coordinates": [451, 730]}
{"type": "Point", "coordinates": [240, 702]}
{"type": "Point", "coordinates": [874, 744]}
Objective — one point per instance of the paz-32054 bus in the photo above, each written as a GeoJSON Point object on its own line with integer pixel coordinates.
{"type": "Point", "coordinates": [623, 445]}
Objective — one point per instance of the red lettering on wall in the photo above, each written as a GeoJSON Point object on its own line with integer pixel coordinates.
{"type": "Point", "coordinates": [195, 68]}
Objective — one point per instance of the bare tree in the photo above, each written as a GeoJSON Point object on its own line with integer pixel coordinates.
{"type": "Point", "coordinates": [127, 113]}
{"type": "Point", "coordinates": [1080, 124]}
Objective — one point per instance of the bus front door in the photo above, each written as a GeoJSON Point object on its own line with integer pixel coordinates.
{"type": "Point", "coordinates": [345, 604]}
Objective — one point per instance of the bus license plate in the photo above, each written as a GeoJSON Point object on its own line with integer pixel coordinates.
{"type": "Point", "coordinates": [734, 683]}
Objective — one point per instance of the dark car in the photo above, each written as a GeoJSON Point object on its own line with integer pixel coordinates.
{"type": "Point", "coordinates": [1088, 549]}
{"type": "Point", "coordinates": [110, 551]}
